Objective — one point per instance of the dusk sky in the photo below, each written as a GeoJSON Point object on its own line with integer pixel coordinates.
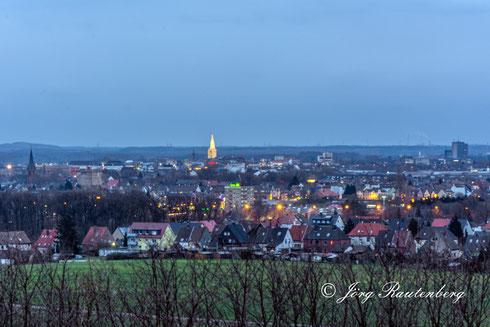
{"type": "Point", "coordinates": [138, 73]}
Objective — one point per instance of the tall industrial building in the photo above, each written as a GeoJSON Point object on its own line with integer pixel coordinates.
{"type": "Point", "coordinates": [459, 150]}
{"type": "Point", "coordinates": [327, 157]}
{"type": "Point", "coordinates": [212, 152]}
{"type": "Point", "coordinates": [237, 196]}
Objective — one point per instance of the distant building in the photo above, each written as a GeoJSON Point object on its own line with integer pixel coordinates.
{"type": "Point", "coordinates": [459, 150]}
{"type": "Point", "coordinates": [114, 165]}
{"type": "Point", "coordinates": [120, 234]}
{"type": "Point", "coordinates": [88, 178]}
{"type": "Point", "coordinates": [237, 196]}
{"type": "Point", "coordinates": [212, 152]}
{"type": "Point", "coordinates": [326, 157]}
{"type": "Point", "coordinates": [422, 161]}
{"type": "Point", "coordinates": [409, 160]}
{"type": "Point", "coordinates": [47, 241]}
{"type": "Point", "coordinates": [144, 236]}
{"type": "Point", "coordinates": [15, 240]}
{"type": "Point", "coordinates": [233, 236]}
{"type": "Point", "coordinates": [192, 237]}
{"type": "Point", "coordinates": [97, 238]}
{"type": "Point", "coordinates": [31, 167]}
{"type": "Point", "coordinates": [235, 166]}
{"type": "Point", "coordinates": [325, 239]}
{"type": "Point", "coordinates": [365, 234]}
{"type": "Point", "coordinates": [326, 220]}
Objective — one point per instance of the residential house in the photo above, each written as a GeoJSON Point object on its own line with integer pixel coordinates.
{"type": "Point", "coordinates": [326, 220]}
{"type": "Point", "coordinates": [15, 240]}
{"type": "Point", "coordinates": [398, 224]}
{"type": "Point", "coordinates": [280, 240]}
{"type": "Point", "coordinates": [97, 238]}
{"type": "Point", "coordinates": [209, 224]}
{"type": "Point", "coordinates": [466, 227]}
{"type": "Point", "coordinates": [144, 236]}
{"type": "Point", "coordinates": [47, 241]}
{"type": "Point", "coordinates": [365, 234]}
{"type": "Point", "coordinates": [120, 234]}
{"type": "Point", "coordinates": [272, 239]}
{"type": "Point", "coordinates": [325, 239]}
{"type": "Point", "coordinates": [325, 193]}
{"type": "Point", "coordinates": [175, 227]}
{"type": "Point", "coordinates": [477, 243]}
{"type": "Point", "coordinates": [211, 241]}
{"type": "Point", "coordinates": [444, 223]}
{"type": "Point", "coordinates": [297, 235]}
{"type": "Point", "coordinates": [461, 190]}
{"type": "Point", "coordinates": [439, 241]}
{"type": "Point", "coordinates": [396, 241]}
{"type": "Point", "coordinates": [192, 237]}
{"type": "Point", "coordinates": [440, 222]}
{"type": "Point", "coordinates": [233, 236]}
{"type": "Point", "coordinates": [287, 221]}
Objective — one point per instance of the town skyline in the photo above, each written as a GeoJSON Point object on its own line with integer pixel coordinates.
{"type": "Point", "coordinates": [245, 163]}
{"type": "Point", "coordinates": [203, 144]}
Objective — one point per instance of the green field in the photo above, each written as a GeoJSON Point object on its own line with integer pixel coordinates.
{"type": "Point", "coordinates": [237, 292]}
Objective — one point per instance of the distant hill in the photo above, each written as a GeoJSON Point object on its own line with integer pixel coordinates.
{"type": "Point", "coordinates": [18, 152]}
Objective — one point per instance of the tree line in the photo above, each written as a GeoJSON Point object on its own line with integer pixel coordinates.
{"type": "Point", "coordinates": [34, 211]}
{"type": "Point", "coordinates": [168, 292]}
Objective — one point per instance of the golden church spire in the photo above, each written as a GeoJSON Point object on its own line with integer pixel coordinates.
{"type": "Point", "coordinates": [212, 153]}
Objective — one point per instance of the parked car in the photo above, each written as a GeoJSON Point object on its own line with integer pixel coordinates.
{"type": "Point", "coordinates": [316, 258]}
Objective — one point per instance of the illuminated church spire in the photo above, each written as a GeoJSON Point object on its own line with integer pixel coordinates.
{"type": "Point", "coordinates": [212, 153]}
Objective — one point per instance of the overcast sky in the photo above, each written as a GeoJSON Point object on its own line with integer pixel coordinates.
{"type": "Point", "coordinates": [275, 72]}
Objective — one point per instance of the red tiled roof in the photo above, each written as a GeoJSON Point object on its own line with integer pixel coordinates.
{"type": "Point", "coordinates": [298, 232]}
{"type": "Point", "coordinates": [161, 227]}
{"type": "Point", "coordinates": [440, 222]}
{"type": "Point", "coordinates": [209, 224]}
{"type": "Point", "coordinates": [97, 235]}
{"type": "Point", "coordinates": [46, 239]}
{"type": "Point", "coordinates": [325, 192]}
{"type": "Point", "coordinates": [113, 182]}
{"type": "Point", "coordinates": [487, 226]}
{"type": "Point", "coordinates": [286, 220]}
{"type": "Point", "coordinates": [366, 229]}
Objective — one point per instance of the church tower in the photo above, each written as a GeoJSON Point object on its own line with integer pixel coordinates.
{"type": "Point", "coordinates": [31, 167]}
{"type": "Point", "coordinates": [212, 153]}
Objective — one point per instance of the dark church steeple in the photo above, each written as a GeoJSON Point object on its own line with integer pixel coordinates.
{"type": "Point", "coordinates": [31, 167]}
